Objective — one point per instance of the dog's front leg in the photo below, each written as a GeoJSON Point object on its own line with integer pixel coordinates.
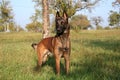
{"type": "Point", "coordinates": [67, 62]}
{"type": "Point", "coordinates": [57, 61]}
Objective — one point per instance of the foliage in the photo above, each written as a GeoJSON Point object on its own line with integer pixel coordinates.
{"type": "Point", "coordinates": [114, 19]}
{"type": "Point", "coordinates": [5, 9]}
{"type": "Point", "coordinates": [99, 27]}
{"type": "Point", "coordinates": [37, 16]}
{"type": "Point", "coordinates": [71, 6]}
{"type": "Point", "coordinates": [52, 28]}
{"type": "Point", "coordinates": [107, 28]}
{"type": "Point", "coordinates": [1, 28]}
{"type": "Point", "coordinates": [116, 3]}
{"type": "Point", "coordinates": [18, 28]}
{"type": "Point", "coordinates": [34, 26]}
{"type": "Point", "coordinates": [116, 27]}
{"type": "Point", "coordinates": [79, 22]}
{"type": "Point", "coordinates": [12, 27]}
{"type": "Point", "coordinates": [6, 15]}
{"type": "Point", "coordinates": [97, 20]}
{"type": "Point", "coordinates": [38, 11]}
{"type": "Point", "coordinates": [95, 55]}
{"type": "Point", "coordinates": [45, 16]}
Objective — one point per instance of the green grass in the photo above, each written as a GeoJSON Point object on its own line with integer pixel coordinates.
{"type": "Point", "coordinates": [95, 55]}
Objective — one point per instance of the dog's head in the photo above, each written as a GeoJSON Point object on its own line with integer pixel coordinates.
{"type": "Point", "coordinates": [61, 23]}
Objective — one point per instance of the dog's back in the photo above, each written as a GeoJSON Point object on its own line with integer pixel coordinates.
{"type": "Point", "coordinates": [46, 42]}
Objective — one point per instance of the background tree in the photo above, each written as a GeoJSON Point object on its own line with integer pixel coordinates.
{"type": "Point", "coordinates": [35, 17]}
{"type": "Point", "coordinates": [45, 16]}
{"type": "Point", "coordinates": [35, 24]}
{"type": "Point", "coordinates": [18, 28]}
{"type": "Point", "coordinates": [1, 28]}
{"type": "Point", "coordinates": [46, 21]}
{"type": "Point", "coordinates": [6, 15]}
{"type": "Point", "coordinates": [79, 22]}
{"type": "Point", "coordinates": [35, 27]}
{"type": "Point", "coordinates": [114, 19]}
{"type": "Point", "coordinates": [97, 21]}
{"type": "Point", "coordinates": [12, 26]}
{"type": "Point", "coordinates": [107, 28]}
{"type": "Point", "coordinates": [117, 2]}
{"type": "Point", "coordinates": [71, 6]}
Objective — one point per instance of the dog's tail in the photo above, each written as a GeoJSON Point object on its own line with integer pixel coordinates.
{"type": "Point", "coordinates": [34, 45]}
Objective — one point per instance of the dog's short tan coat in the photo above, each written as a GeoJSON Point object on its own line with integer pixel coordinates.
{"type": "Point", "coordinates": [59, 45]}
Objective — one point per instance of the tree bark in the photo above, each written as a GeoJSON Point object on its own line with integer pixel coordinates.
{"type": "Point", "coordinates": [46, 21]}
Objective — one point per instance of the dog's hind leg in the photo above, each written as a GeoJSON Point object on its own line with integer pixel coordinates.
{"type": "Point", "coordinates": [45, 56]}
{"type": "Point", "coordinates": [42, 56]}
{"type": "Point", "coordinates": [39, 63]}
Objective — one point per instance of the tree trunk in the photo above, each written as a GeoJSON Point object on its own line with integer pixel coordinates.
{"type": "Point", "coordinates": [4, 26]}
{"type": "Point", "coordinates": [7, 27]}
{"type": "Point", "coordinates": [46, 21]}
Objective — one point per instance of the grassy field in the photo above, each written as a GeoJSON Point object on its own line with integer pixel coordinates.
{"type": "Point", "coordinates": [95, 55]}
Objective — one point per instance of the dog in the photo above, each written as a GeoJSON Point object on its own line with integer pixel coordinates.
{"type": "Point", "coordinates": [59, 45]}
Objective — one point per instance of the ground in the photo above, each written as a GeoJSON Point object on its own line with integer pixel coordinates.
{"type": "Point", "coordinates": [95, 55]}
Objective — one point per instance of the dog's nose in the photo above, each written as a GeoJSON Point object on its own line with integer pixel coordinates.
{"type": "Point", "coordinates": [58, 29]}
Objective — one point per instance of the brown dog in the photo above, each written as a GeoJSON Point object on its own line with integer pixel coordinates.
{"type": "Point", "coordinates": [58, 45]}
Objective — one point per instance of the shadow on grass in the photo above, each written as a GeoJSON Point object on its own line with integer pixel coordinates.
{"type": "Point", "coordinates": [100, 66]}
{"type": "Point", "coordinates": [50, 62]}
{"type": "Point", "coordinates": [96, 68]}
{"type": "Point", "coordinates": [113, 45]}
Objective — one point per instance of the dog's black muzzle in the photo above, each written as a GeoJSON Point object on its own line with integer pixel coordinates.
{"type": "Point", "coordinates": [60, 30]}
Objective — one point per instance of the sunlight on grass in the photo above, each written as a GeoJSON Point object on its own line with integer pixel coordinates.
{"type": "Point", "coordinates": [95, 55]}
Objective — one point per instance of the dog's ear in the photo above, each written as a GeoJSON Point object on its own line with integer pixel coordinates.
{"type": "Point", "coordinates": [57, 14]}
{"type": "Point", "coordinates": [65, 15]}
